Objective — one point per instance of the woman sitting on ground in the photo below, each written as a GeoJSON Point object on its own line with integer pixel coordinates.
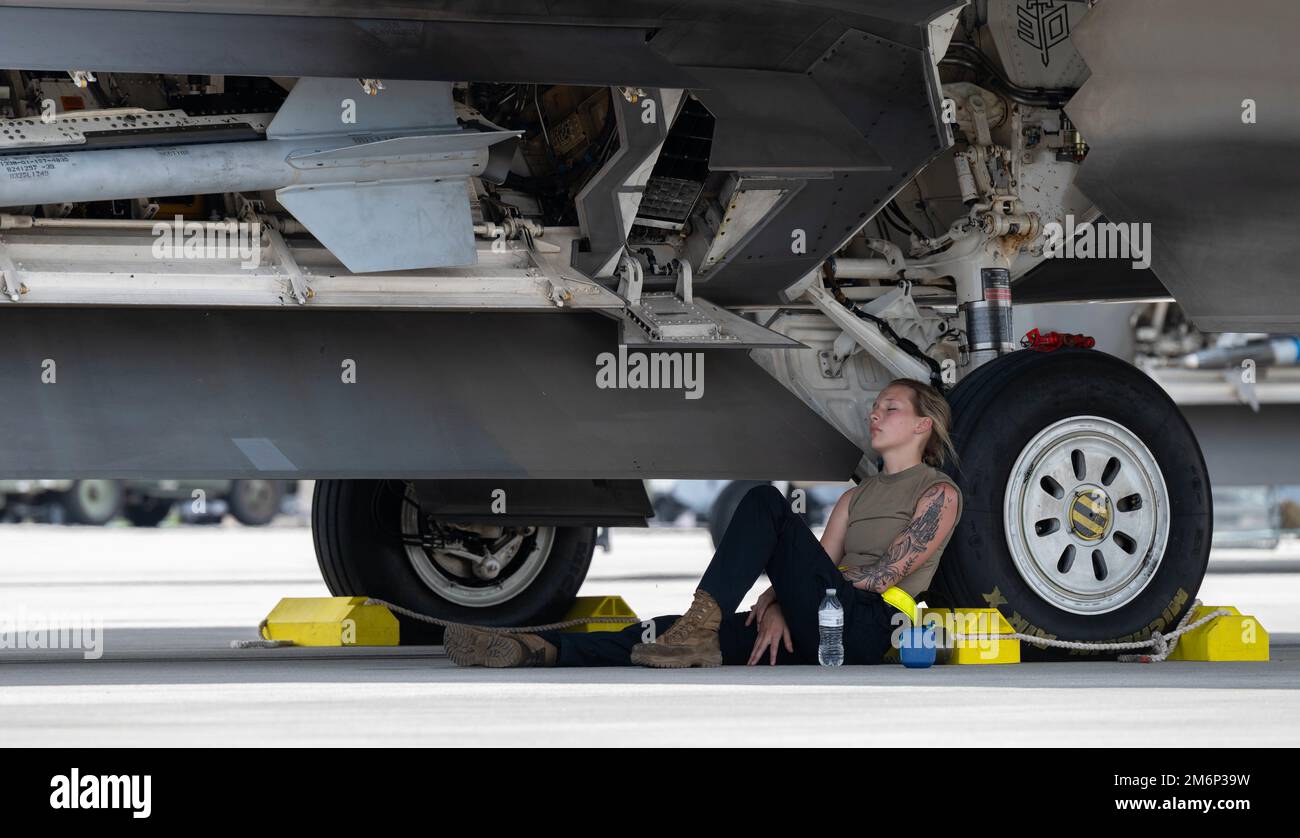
{"type": "Point", "coordinates": [888, 531]}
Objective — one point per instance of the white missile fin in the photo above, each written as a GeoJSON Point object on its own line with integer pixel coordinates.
{"type": "Point", "coordinates": [388, 226]}
{"type": "Point", "coordinates": [435, 145]}
{"type": "Point", "coordinates": [321, 107]}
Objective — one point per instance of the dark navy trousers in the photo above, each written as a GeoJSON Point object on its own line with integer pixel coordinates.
{"type": "Point", "coordinates": [764, 536]}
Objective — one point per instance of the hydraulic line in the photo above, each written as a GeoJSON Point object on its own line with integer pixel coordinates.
{"type": "Point", "coordinates": [969, 57]}
{"type": "Point", "coordinates": [936, 377]}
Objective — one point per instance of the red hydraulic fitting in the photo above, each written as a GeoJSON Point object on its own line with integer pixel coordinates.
{"type": "Point", "coordinates": [1052, 341]}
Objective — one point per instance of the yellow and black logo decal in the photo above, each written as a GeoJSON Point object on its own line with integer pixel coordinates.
{"type": "Point", "coordinates": [1090, 513]}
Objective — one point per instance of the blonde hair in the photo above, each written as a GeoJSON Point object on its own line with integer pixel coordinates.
{"type": "Point", "coordinates": [929, 402]}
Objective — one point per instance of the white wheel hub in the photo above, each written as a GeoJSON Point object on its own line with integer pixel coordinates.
{"type": "Point", "coordinates": [1086, 512]}
{"type": "Point", "coordinates": [465, 578]}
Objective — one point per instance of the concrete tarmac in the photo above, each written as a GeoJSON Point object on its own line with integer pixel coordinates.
{"type": "Point", "coordinates": [171, 600]}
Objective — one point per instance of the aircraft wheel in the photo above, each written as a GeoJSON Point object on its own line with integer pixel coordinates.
{"type": "Point", "coordinates": [148, 512]}
{"type": "Point", "coordinates": [724, 507]}
{"type": "Point", "coordinates": [1087, 509]}
{"type": "Point", "coordinates": [93, 502]}
{"type": "Point", "coordinates": [372, 540]}
{"type": "Point", "coordinates": [255, 503]}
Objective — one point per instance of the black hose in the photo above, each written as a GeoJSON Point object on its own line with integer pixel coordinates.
{"type": "Point", "coordinates": [936, 372]}
{"type": "Point", "coordinates": [969, 57]}
{"type": "Point", "coordinates": [893, 225]}
{"type": "Point", "coordinates": [902, 218]}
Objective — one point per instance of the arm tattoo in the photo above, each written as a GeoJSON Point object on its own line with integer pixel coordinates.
{"type": "Point", "coordinates": [906, 549]}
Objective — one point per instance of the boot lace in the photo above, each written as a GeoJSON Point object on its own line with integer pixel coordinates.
{"type": "Point", "coordinates": [686, 624]}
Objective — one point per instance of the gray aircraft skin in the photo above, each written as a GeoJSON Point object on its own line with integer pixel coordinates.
{"type": "Point", "coordinates": [861, 57]}
{"type": "Point", "coordinates": [778, 70]}
{"type": "Point", "coordinates": [1187, 121]}
{"type": "Point", "coordinates": [1146, 114]}
{"type": "Point", "coordinates": [834, 96]}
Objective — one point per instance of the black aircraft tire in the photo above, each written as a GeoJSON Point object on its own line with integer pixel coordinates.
{"type": "Point", "coordinates": [997, 412]}
{"type": "Point", "coordinates": [356, 528]}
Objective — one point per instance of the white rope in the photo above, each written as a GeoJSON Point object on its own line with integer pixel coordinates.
{"type": "Point", "coordinates": [1163, 644]}
{"type": "Point", "coordinates": [264, 643]}
{"type": "Point", "coordinates": [576, 621]}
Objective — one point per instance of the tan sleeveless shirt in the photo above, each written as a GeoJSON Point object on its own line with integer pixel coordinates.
{"type": "Point", "coordinates": [881, 508]}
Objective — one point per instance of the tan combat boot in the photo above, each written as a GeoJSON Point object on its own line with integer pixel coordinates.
{"type": "Point", "coordinates": [473, 646]}
{"type": "Point", "coordinates": [692, 640]}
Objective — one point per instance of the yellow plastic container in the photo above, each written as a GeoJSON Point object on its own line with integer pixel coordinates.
{"type": "Point", "coordinates": [600, 606]}
{"type": "Point", "coordinates": [331, 621]}
{"type": "Point", "coordinates": [903, 601]}
{"type": "Point", "coordinates": [959, 621]}
{"type": "Point", "coordinates": [1236, 637]}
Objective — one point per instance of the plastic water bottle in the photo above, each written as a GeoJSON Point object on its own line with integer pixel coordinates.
{"type": "Point", "coordinates": [830, 620]}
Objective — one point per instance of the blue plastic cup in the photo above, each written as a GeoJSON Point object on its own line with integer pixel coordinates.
{"type": "Point", "coordinates": [918, 647]}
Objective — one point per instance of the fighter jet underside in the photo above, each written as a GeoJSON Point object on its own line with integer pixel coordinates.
{"type": "Point", "coordinates": [781, 180]}
{"type": "Point", "coordinates": [406, 248]}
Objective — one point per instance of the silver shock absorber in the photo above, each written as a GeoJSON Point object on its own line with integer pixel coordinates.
{"type": "Point", "coordinates": [988, 319]}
